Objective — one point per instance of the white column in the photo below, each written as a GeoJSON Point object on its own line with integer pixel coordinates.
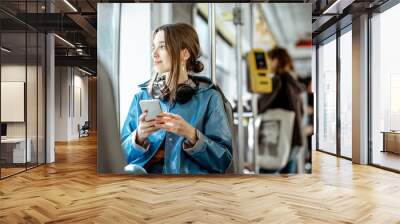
{"type": "Point", "coordinates": [50, 99]}
{"type": "Point", "coordinates": [360, 90]}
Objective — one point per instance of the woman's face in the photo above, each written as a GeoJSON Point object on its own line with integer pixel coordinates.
{"type": "Point", "coordinates": [273, 64]}
{"type": "Point", "coordinates": [161, 58]}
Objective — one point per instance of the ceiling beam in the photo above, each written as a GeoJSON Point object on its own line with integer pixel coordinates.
{"type": "Point", "coordinates": [86, 26]}
{"type": "Point", "coordinates": [83, 61]}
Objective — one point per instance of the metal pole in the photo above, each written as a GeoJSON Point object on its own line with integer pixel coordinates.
{"type": "Point", "coordinates": [211, 28]}
{"type": "Point", "coordinates": [254, 97]}
{"type": "Point", "coordinates": [237, 20]}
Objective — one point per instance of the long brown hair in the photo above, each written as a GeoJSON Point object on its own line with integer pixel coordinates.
{"type": "Point", "coordinates": [284, 59]}
{"type": "Point", "coordinates": [179, 36]}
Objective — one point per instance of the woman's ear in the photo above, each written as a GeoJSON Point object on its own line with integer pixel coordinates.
{"type": "Point", "coordinates": [185, 55]}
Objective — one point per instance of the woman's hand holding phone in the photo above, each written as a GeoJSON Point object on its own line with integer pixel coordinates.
{"type": "Point", "coordinates": [177, 125]}
{"type": "Point", "coordinates": [145, 128]}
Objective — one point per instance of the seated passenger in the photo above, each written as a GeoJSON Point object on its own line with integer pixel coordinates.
{"type": "Point", "coordinates": [192, 135]}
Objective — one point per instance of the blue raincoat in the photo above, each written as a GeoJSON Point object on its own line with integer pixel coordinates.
{"type": "Point", "coordinates": [212, 152]}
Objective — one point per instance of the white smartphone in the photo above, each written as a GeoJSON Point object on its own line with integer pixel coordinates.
{"type": "Point", "coordinates": [153, 108]}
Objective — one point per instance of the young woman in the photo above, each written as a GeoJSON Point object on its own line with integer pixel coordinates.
{"type": "Point", "coordinates": [192, 135]}
{"type": "Point", "coordinates": [286, 95]}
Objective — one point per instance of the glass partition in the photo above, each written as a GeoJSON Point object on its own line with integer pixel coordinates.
{"type": "Point", "coordinates": [346, 94]}
{"type": "Point", "coordinates": [385, 89]}
{"type": "Point", "coordinates": [327, 96]}
{"type": "Point", "coordinates": [13, 105]}
{"type": "Point", "coordinates": [31, 99]}
{"type": "Point", "coordinates": [22, 88]}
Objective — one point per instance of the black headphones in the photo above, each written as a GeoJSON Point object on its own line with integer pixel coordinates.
{"type": "Point", "coordinates": [184, 91]}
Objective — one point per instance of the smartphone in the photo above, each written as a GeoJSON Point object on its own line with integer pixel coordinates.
{"type": "Point", "coordinates": [153, 108]}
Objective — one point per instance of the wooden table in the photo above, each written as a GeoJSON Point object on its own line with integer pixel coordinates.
{"type": "Point", "coordinates": [13, 150]}
{"type": "Point", "coordinates": [391, 141]}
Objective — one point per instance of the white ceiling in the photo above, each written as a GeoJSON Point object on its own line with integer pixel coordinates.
{"type": "Point", "coordinates": [290, 22]}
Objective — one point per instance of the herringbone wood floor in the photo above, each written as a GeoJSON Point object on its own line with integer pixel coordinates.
{"type": "Point", "coordinates": [70, 191]}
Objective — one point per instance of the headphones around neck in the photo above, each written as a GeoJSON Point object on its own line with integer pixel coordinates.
{"type": "Point", "coordinates": [184, 92]}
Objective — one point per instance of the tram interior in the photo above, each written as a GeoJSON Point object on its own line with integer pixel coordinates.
{"type": "Point", "coordinates": [264, 27]}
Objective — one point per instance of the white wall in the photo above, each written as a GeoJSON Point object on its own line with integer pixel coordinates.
{"type": "Point", "coordinates": [33, 126]}
{"type": "Point", "coordinates": [69, 82]}
{"type": "Point", "coordinates": [16, 73]}
{"type": "Point", "coordinates": [61, 103]}
{"type": "Point", "coordinates": [80, 83]}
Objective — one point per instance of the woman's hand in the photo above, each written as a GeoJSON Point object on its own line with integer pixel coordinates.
{"type": "Point", "coordinates": [145, 128]}
{"type": "Point", "coordinates": [177, 125]}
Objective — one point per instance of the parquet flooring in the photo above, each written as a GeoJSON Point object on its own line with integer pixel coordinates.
{"type": "Point", "coordinates": [9, 171]}
{"type": "Point", "coordinates": [70, 191]}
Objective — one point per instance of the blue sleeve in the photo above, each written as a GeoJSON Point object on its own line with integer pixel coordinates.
{"type": "Point", "coordinates": [131, 150]}
{"type": "Point", "coordinates": [213, 149]}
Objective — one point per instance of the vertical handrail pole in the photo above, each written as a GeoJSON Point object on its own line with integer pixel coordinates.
{"type": "Point", "coordinates": [211, 28]}
{"type": "Point", "coordinates": [237, 20]}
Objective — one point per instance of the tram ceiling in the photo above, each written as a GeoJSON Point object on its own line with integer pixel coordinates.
{"type": "Point", "coordinates": [290, 26]}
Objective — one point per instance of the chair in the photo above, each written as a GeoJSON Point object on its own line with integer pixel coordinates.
{"type": "Point", "coordinates": [84, 130]}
